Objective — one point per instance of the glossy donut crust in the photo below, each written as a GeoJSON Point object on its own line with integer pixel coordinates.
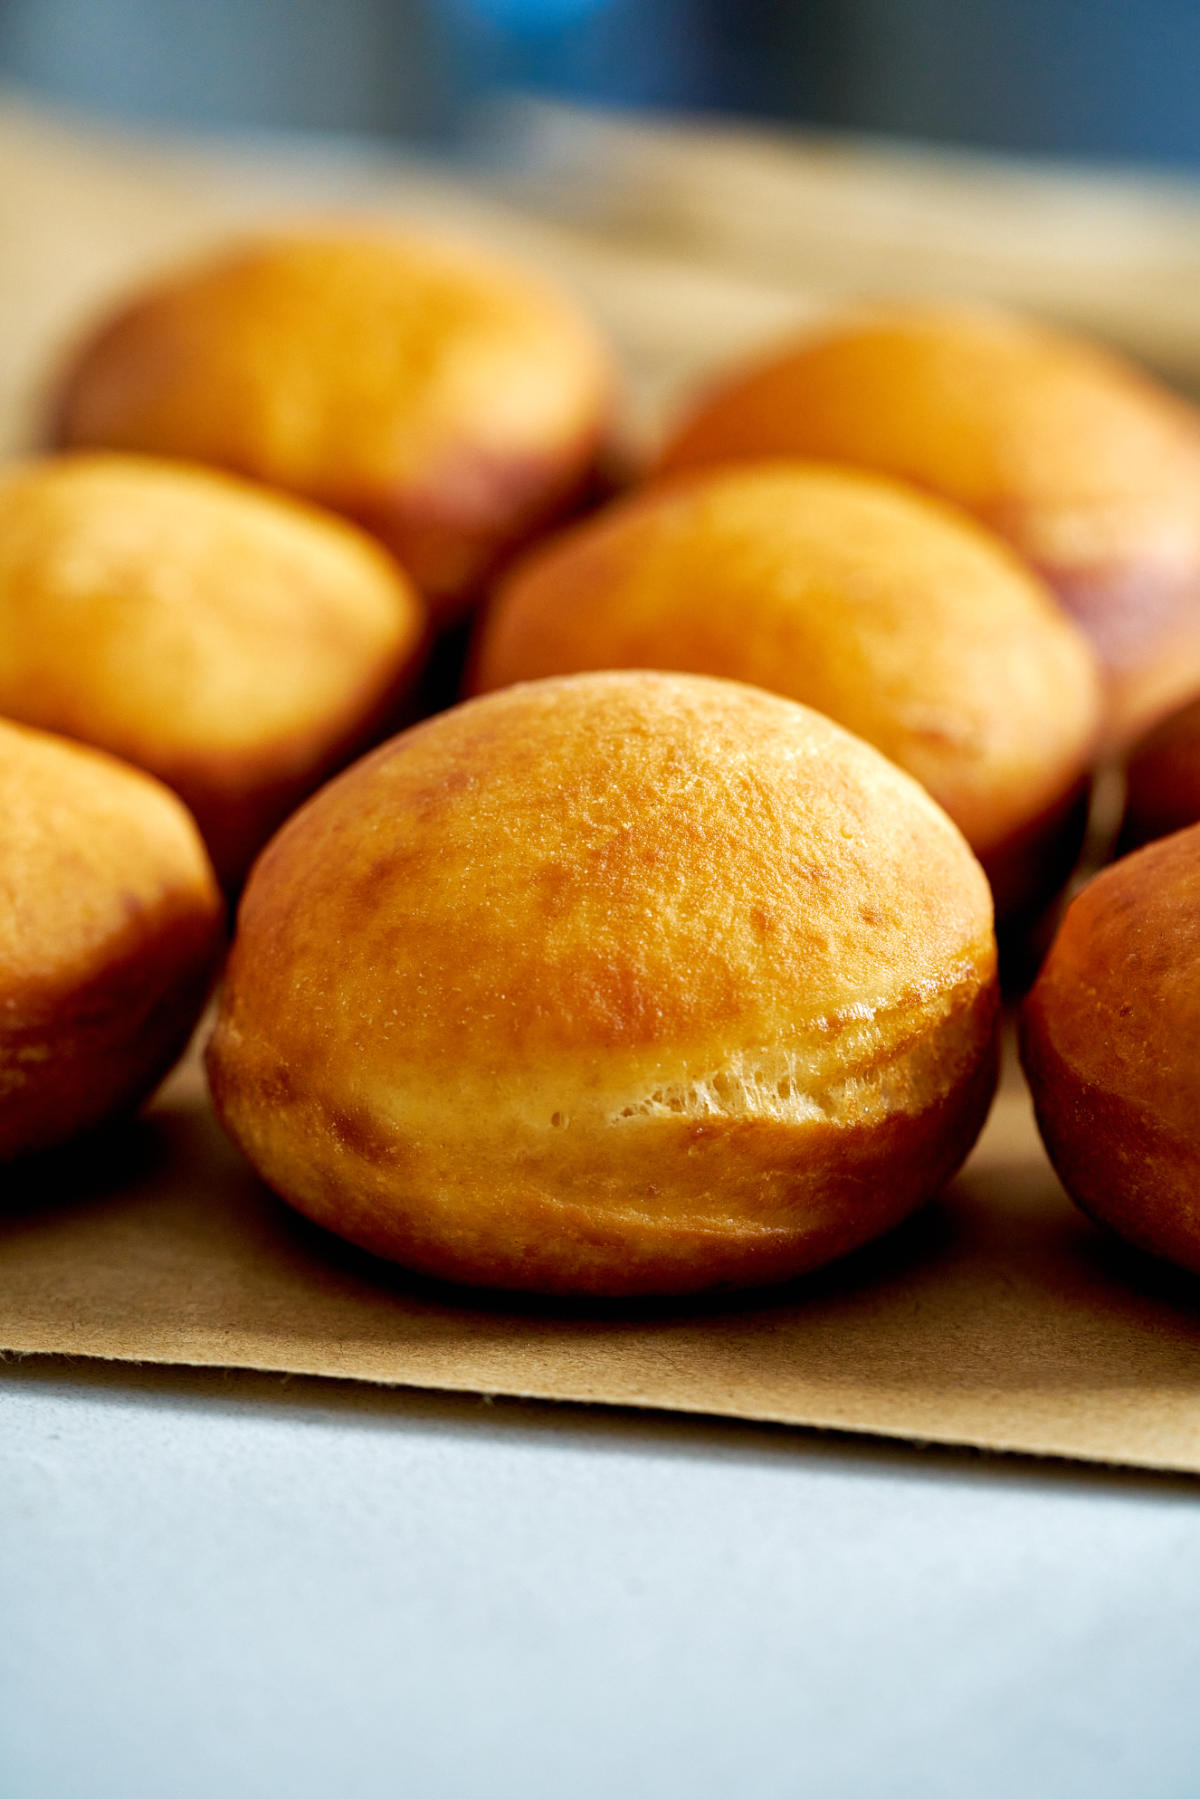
{"type": "Point", "coordinates": [235, 644]}
{"type": "Point", "coordinates": [1084, 464]}
{"type": "Point", "coordinates": [1109, 1038]}
{"type": "Point", "coordinates": [624, 983]}
{"type": "Point", "coordinates": [891, 613]}
{"type": "Point", "coordinates": [110, 929]}
{"type": "Point", "coordinates": [438, 398]}
{"type": "Point", "coordinates": [1163, 791]}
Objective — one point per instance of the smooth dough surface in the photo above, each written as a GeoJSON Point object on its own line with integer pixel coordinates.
{"type": "Point", "coordinates": [435, 395]}
{"type": "Point", "coordinates": [1088, 467]}
{"type": "Point", "coordinates": [234, 643]}
{"type": "Point", "coordinates": [891, 613]}
{"type": "Point", "coordinates": [619, 983]}
{"type": "Point", "coordinates": [1110, 1042]}
{"type": "Point", "coordinates": [110, 927]}
{"type": "Point", "coordinates": [1163, 779]}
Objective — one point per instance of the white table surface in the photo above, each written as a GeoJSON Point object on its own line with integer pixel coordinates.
{"type": "Point", "coordinates": [231, 1586]}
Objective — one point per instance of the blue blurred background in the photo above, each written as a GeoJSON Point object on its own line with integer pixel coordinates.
{"type": "Point", "coordinates": [1078, 77]}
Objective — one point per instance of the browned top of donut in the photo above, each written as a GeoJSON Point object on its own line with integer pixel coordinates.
{"type": "Point", "coordinates": [890, 612]}
{"type": "Point", "coordinates": [612, 876]}
{"type": "Point", "coordinates": [433, 393]}
{"type": "Point", "coordinates": [1087, 466]}
{"type": "Point", "coordinates": [230, 640]}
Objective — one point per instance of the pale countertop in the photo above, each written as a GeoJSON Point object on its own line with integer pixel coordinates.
{"type": "Point", "coordinates": [245, 1586]}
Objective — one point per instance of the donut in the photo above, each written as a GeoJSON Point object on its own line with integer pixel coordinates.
{"type": "Point", "coordinates": [616, 984]}
{"type": "Point", "coordinates": [1163, 779]}
{"type": "Point", "coordinates": [898, 617]}
{"type": "Point", "coordinates": [1109, 1040]}
{"type": "Point", "coordinates": [1088, 468]}
{"type": "Point", "coordinates": [441, 399]}
{"type": "Point", "coordinates": [110, 927]}
{"type": "Point", "coordinates": [234, 643]}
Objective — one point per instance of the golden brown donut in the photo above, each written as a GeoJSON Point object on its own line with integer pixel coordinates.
{"type": "Point", "coordinates": [437, 397]}
{"type": "Point", "coordinates": [1110, 1036]}
{"type": "Point", "coordinates": [643, 983]}
{"type": "Point", "coordinates": [1086, 466]}
{"type": "Point", "coordinates": [894, 615]}
{"type": "Point", "coordinates": [110, 926]}
{"type": "Point", "coordinates": [234, 643]}
{"type": "Point", "coordinates": [1164, 779]}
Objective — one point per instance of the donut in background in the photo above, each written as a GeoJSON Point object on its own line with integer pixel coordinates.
{"type": "Point", "coordinates": [110, 929]}
{"type": "Point", "coordinates": [890, 612]}
{"type": "Point", "coordinates": [1163, 779]}
{"type": "Point", "coordinates": [1109, 1040]}
{"type": "Point", "coordinates": [445, 401]}
{"type": "Point", "coordinates": [1083, 463]}
{"type": "Point", "coordinates": [234, 643]}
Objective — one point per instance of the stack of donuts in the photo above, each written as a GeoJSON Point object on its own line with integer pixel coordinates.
{"type": "Point", "coordinates": [665, 958]}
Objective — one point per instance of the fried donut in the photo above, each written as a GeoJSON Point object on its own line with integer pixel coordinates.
{"type": "Point", "coordinates": [1163, 779]}
{"type": "Point", "coordinates": [890, 612]}
{"type": "Point", "coordinates": [615, 984]}
{"type": "Point", "coordinates": [110, 926]}
{"type": "Point", "coordinates": [234, 643]}
{"type": "Point", "coordinates": [1087, 466]}
{"type": "Point", "coordinates": [1109, 1040]}
{"type": "Point", "coordinates": [436, 396]}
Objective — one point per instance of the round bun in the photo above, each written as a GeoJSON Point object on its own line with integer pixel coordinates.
{"type": "Point", "coordinates": [110, 928]}
{"type": "Point", "coordinates": [1164, 779]}
{"type": "Point", "coordinates": [438, 398]}
{"type": "Point", "coordinates": [1090, 470]}
{"type": "Point", "coordinates": [643, 983]}
{"type": "Point", "coordinates": [895, 616]}
{"type": "Point", "coordinates": [237, 645]}
{"type": "Point", "coordinates": [1109, 1038]}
